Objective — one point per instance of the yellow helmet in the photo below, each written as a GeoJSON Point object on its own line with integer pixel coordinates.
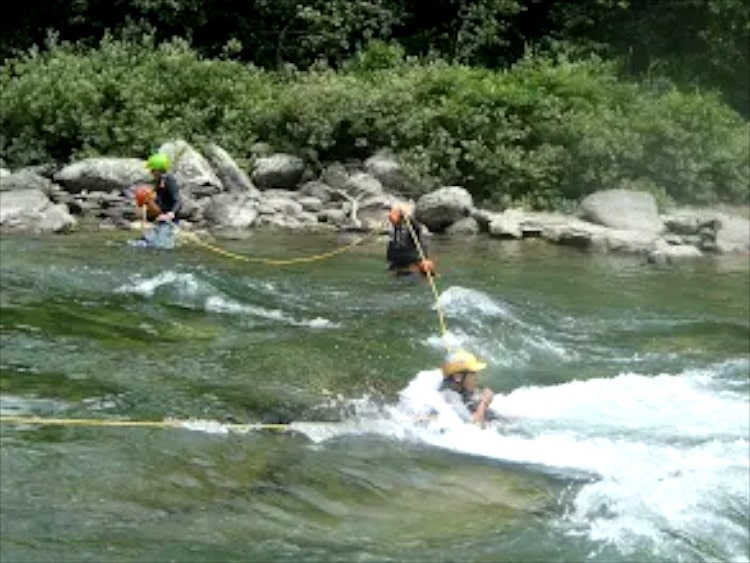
{"type": "Point", "coordinates": [461, 360]}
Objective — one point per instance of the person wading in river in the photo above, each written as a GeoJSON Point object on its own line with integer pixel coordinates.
{"type": "Point", "coordinates": [160, 204]}
{"type": "Point", "coordinates": [405, 239]}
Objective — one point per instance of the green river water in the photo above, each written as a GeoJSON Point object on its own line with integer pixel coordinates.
{"type": "Point", "coordinates": [626, 384]}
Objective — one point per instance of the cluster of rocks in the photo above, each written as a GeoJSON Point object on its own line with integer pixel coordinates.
{"type": "Point", "coordinates": [281, 192]}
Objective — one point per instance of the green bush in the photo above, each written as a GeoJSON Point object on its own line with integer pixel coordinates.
{"type": "Point", "coordinates": [544, 133]}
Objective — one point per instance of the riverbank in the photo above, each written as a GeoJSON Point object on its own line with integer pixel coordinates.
{"type": "Point", "coordinates": [281, 192]}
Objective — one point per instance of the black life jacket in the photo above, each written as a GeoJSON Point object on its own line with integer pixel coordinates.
{"type": "Point", "coordinates": [402, 250]}
{"type": "Point", "coordinates": [168, 194]}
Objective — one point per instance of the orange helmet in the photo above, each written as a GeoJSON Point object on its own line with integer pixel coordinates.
{"type": "Point", "coordinates": [143, 195]}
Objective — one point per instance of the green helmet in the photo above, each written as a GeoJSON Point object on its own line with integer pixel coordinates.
{"type": "Point", "coordinates": [158, 161]}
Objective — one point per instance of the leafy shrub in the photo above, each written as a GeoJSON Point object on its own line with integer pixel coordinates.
{"type": "Point", "coordinates": [544, 133]}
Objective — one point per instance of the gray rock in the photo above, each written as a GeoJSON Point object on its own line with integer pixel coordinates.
{"type": "Point", "coordinates": [664, 252]}
{"type": "Point", "coordinates": [733, 234]}
{"type": "Point", "coordinates": [32, 210]}
{"type": "Point", "coordinates": [232, 177]}
{"type": "Point", "coordinates": [278, 171]}
{"type": "Point", "coordinates": [317, 190]}
{"type": "Point", "coordinates": [231, 210]}
{"type": "Point", "coordinates": [624, 210]}
{"type": "Point", "coordinates": [310, 204]}
{"type": "Point", "coordinates": [193, 172]}
{"type": "Point", "coordinates": [25, 179]}
{"type": "Point", "coordinates": [361, 184]}
{"type": "Point", "coordinates": [333, 216]}
{"type": "Point", "coordinates": [336, 176]}
{"type": "Point", "coordinates": [102, 174]}
{"type": "Point", "coordinates": [280, 206]}
{"type": "Point", "coordinates": [386, 168]}
{"type": "Point", "coordinates": [464, 227]}
{"type": "Point", "coordinates": [443, 207]}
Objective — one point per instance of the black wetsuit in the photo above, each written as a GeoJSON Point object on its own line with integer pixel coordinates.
{"type": "Point", "coordinates": [402, 251]}
{"type": "Point", "coordinates": [168, 194]}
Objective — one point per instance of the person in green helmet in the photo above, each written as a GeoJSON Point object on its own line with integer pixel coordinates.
{"type": "Point", "coordinates": [168, 200]}
{"type": "Point", "coordinates": [163, 204]}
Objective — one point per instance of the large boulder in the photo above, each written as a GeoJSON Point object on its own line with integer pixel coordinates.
{"type": "Point", "coordinates": [231, 210]}
{"type": "Point", "coordinates": [387, 169]}
{"type": "Point", "coordinates": [361, 184]}
{"type": "Point", "coordinates": [733, 234]}
{"type": "Point", "coordinates": [623, 209]}
{"type": "Point", "coordinates": [26, 179]}
{"type": "Point", "coordinates": [192, 170]}
{"type": "Point", "coordinates": [233, 178]}
{"type": "Point", "coordinates": [278, 171]}
{"type": "Point", "coordinates": [443, 207]}
{"type": "Point", "coordinates": [103, 174]}
{"type": "Point", "coordinates": [32, 210]}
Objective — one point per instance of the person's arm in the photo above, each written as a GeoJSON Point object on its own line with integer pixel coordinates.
{"type": "Point", "coordinates": [480, 413]}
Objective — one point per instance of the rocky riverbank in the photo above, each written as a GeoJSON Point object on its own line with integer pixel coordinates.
{"type": "Point", "coordinates": [281, 192]}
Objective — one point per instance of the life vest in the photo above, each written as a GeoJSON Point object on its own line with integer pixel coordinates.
{"type": "Point", "coordinates": [402, 252]}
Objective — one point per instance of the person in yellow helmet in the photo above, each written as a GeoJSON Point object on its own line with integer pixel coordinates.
{"type": "Point", "coordinates": [460, 387]}
{"type": "Point", "coordinates": [403, 254]}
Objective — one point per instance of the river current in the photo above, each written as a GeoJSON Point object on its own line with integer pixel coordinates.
{"type": "Point", "coordinates": [625, 389]}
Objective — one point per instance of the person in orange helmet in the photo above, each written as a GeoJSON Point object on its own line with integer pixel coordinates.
{"type": "Point", "coordinates": [402, 254]}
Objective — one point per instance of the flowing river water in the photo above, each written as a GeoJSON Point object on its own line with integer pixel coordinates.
{"type": "Point", "coordinates": [625, 385]}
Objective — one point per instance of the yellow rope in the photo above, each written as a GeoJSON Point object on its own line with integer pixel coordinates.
{"type": "Point", "coordinates": [270, 261]}
{"type": "Point", "coordinates": [41, 421]}
{"type": "Point", "coordinates": [431, 279]}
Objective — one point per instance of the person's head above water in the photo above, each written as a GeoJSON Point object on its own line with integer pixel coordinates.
{"type": "Point", "coordinates": [461, 363]}
{"type": "Point", "coordinates": [399, 211]}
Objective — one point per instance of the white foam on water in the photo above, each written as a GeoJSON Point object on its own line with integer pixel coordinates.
{"type": "Point", "coordinates": [471, 308]}
{"type": "Point", "coordinates": [17, 405]}
{"type": "Point", "coordinates": [459, 300]}
{"type": "Point", "coordinates": [668, 455]}
{"type": "Point", "coordinates": [655, 462]}
{"type": "Point", "coordinates": [186, 284]}
{"type": "Point", "coordinates": [219, 304]}
{"type": "Point", "coordinates": [197, 292]}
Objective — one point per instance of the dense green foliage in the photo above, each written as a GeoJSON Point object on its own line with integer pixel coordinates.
{"type": "Point", "coordinates": [544, 132]}
{"type": "Point", "coordinates": [695, 43]}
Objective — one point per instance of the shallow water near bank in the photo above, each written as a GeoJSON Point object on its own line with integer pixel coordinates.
{"type": "Point", "coordinates": [626, 387]}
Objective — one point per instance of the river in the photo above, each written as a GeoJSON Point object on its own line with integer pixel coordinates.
{"type": "Point", "coordinates": [625, 385]}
